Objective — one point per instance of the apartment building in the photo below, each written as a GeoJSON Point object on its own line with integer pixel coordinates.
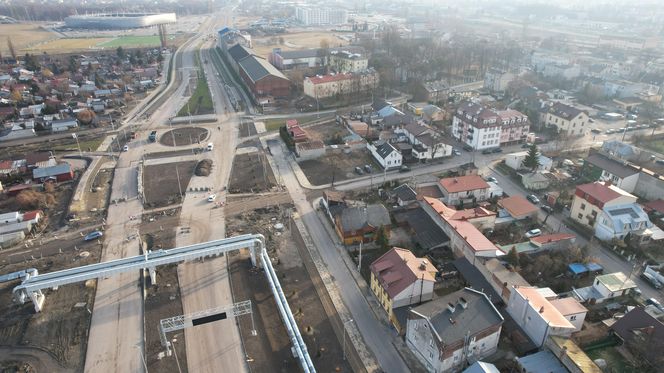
{"type": "Point", "coordinates": [312, 16]}
{"type": "Point", "coordinates": [482, 127]}
{"type": "Point", "coordinates": [567, 119]}
{"type": "Point", "coordinates": [348, 62]}
{"type": "Point", "coordinates": [324, 86]}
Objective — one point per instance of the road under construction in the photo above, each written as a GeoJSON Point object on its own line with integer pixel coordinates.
{"type": "Point", "coordinates": [33, 282]}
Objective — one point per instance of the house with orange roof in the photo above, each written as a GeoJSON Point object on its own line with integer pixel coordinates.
{"type": "Point", "coordinates": [536, 315]}
{"type": "Point", "coordinates": [399, 278]}
{"type": "Point", "coordinates": [462, 228]}
{"type": "Point", "coordinates": [464, 189]}
{"type": "Point", "coordinates": [516, 208]}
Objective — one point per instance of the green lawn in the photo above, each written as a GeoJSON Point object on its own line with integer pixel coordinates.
{"type": "Point", "coordinates": [200, 101]}
{"type": "Point", "coordinates": [134, 41]}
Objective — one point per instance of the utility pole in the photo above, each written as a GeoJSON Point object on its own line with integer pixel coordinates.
{"type": "Point", "coordinates": [359, 262]}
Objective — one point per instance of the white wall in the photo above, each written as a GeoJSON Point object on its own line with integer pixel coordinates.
{"type": "Point", "coordinates": [411, 294]}
{"type": "Point", "coordinates": [628, 184]}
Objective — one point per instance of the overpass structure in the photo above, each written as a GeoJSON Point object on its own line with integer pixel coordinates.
{"type": "Point", "coordinates": [33, 283]}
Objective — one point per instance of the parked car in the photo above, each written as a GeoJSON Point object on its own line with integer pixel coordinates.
{"type": "Point", "coordinates": [358, 171]}
{"type": "Point", "coordinates": [456, 152]}
{"type": "Point", "coordinates": [404, 168]}
{"type": "Point", "coordinates": [486, 151]}
{"type": "Point", "coordinates": [655, 303]}
{"type": "Point", "coordinates": [210, 147]}
{"type": "Point", "coordinates": [368, 168]}
{"type": "Point", "coordinates": [93, 236]}
{"type": "Point", "coordinates": [492, 179]}
{"type": "Point", "coordinates": [660, 161]}
{"type": "Point", "coordinates": [651, 280]}
{"type": "Point", "coordinates": [610, 131]}
{"type": "Point", "coordinates": [548, 209]}
{"type": "Point", "coordinates": [125, 148]}
{"type": "Point", "coordinates": [211, 197]}
{"type": "Point", "coordinates": [596, 130]}
{"type": "Point", "coordinates": [468, 148]}
{"type": "Point", "coordinates": [534, 233]}
{"type": "Point", "coordinates": [533, 198]}
{"type": "Point", "coordinates": [497, 150]}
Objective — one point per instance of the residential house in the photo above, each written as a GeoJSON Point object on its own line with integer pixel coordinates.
{"type": "Point", "coordinates": [561, 355]}
{"type": "Point", "coordinates": [432, 114]}
{"type": "Point", "coordinates": [427, 143]}
{"type": "Point", "coordinates": [567, 119]}
{"type": "Point", "coordinates": [295, 131]}
{"type": "Point", "coordinates": [515, 208]}
{"type": "Point", "coordinates": [436, 91]}
{"type": "Point", "coordinates": [339, 84]}
{"type": "Point", "coordinates": [387, 156]}
{"type": "Point", "coordinates": [25, 227]}
{"type": "Point", "coordinates": [425, 231]}
{"type": "Point", "coordinates": [464, 189]}
{"type": "Point", "coordinates": [399, 278]}
{"type": "Point", "coordinates": [481, 367]}
{"type": "Point", "coordinates": [501, 279]}
{"type": "Point", "coordinates": [535, 181]}
{"type": "Point", "coordinates": [64, 124]}
{"type": "Point", "coordinates": [33, 216]}
{"type": "Point", "coordinates": [404, 194]}
{"type": "Point", "coordinates": [567, 72]}
{"type": "Point", "coordinates": [572, 310]}
{"type": "Point", "coordinates": [479, 217]}
{"type": "Point", "coordinates": [590, 199]}
{"type": "Point", "coordinates": [515, 161]}
{"type": "Point", "coordinates": [498, 81]}
{"type": "Point", "coordinates": [619, 221]}
{"type": "Point", "coordinates": [481, 127]}
{"type": "Point", "coordinates": [355, 224]}
{"type": "Point", "coordinates": [621, 151]}
{"type": "Point", "coordinates": [10, 218]}
{"type": "Point", "coordinates": [309, 150]}
{"type": "Point", "coordinates": [605, 287]}
{"type": "Point", "coordinates": [298, 59]}
{"type": "Point", "coordinates": [453, 331]}
{"type": "Point", "coordinates": [598, 166]}
{"type": "Point", "coordinates": [553, 241]}
{"type": "Point", "coordinates": [348, 62]}
{"type": "Point", "coordinates": [535, 314]}
{"type": "Point", "coordinates": [59, 173]}
{"type": "Point", "coordinates": [465, 238]}
{"type": "Point", "coordinates": [641, 330]}
{"type": "Point", "coordinates": [541, 361]}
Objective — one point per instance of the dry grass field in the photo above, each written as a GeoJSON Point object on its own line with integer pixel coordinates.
{"type": "Point", "coordinates": [295, 41]}
{"type": "Point", "coordinates": [23, 35]}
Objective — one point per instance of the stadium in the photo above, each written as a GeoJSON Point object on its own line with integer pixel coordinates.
{"type": "Point", "coordinates": [106, 21]}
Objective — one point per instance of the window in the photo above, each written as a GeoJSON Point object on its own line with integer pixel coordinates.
{"type": "Point", "coordinates": [580, 216]}
{"type": "Point", "coordinates": [583, 206]}
{"type": "Point", "coordinates": [430, 355]}
{"type": "Point", "coordinates": [572, 318]}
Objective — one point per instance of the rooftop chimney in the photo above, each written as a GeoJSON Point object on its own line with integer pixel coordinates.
{"type": "Point", "coordinates": [423, 265]}
{"type": "Point", "coordinates": [450, 307]}
{"type": "Point", "coordinates": [541, 309]}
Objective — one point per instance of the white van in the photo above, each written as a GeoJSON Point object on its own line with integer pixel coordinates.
{"type": "Point", "coordinates": [210, 146]}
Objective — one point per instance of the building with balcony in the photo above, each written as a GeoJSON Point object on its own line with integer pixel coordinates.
{"type": "Point", "coordinates": [481, 127]}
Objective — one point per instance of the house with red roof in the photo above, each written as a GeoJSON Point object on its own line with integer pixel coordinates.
{"type": "Point", "coordinates": [590, 199]}
{"type": "Point", "coordinates": [295, 131]}
{"type": "Point", "coordinates": [464, 189]}
{"type": "Point", "coordinates": [515, 208]}
{"type": "Point", "coordinates": [399, 278]}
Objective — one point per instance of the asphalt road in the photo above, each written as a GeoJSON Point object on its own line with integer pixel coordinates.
{"type": "Point", "coordinates": [377, 336]}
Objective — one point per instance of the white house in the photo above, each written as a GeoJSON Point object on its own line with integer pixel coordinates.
{"type": "Point", "coordinates": [464, 189]}
{"type": "Point", "coordinates": [385, 154]}
{"type": "Point", "coordinates": [496, 80]}
{"type": "Point", "coordinates": [531, 310]}
{"type": "Point", "coordinates": [63, 124]}
{"type": "Point", "coordinates": [515, 161]}
{"type": "Point", "coordinates": [481, 127]}
{"type": "Point", "coordinates": [619, 174]}
{"type": "Point", "coordinates": [453, 331]}
{"type": "Point", "coordinates": [572, 309]}
{"type": "Point", "coordinates": [618, 221]}
{"type": "Point", "coordinates": [606, 287]}
{"type": "Point", "coordinates": [10, 217]}
{"type": "Point", "coordinates": [567, 119]}
{"type": "Point", "coordinates": [427, 143]}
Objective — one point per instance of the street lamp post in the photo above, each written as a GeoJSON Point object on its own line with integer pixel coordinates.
{"type": "Point", "coordinates": [346, 323]}
{"type": "Point", "coordinates": [145, 364]}
{"type": "Point", "coordinates": [176, 355]}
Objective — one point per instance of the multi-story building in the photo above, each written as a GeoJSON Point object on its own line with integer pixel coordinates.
{"type": "Point", "coordinates": [300, 59]}
{"type": "Point", "coordinates": [496, 80]}
{"type": "Point", "coordinates": [347, 62]}
{"type": "Point", "coordinates": [321, 16]}
{"type": "Point", "coordinates": [324, 86]}
{"type": "Point", "coordinates": [453, 331]}
{"type": "Point", "coordinates": [482, 127]}
{"type": "Point", "coordinates": [464, 189]}
{"type": "Point", "coordinates": [591, 199]}
{"type": "Point", "coordinates": [399, 279]}
{"type": "Point", "coordinates": [427, 143]}
{"type": "Point", "coordinates": [567, 119]}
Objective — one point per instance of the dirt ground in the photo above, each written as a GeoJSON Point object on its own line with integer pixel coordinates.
{"type": "Point", "coordinates": [326, 132]}
{"type": "Point", "coordinates": [270, 350]}
{"type": "Point", "coordinates": [160, 182]}
{"type": "Point", "coordinates": [247, 129]}
{"type": "Point", "coordinates": [162, 299]}
{"type": "Point", "coordinates": [340, 165]}
{"type": "Point", "coordinates": [174, 153]}
{"type": "Point", "coordinates": [60, 330]}
{"type": "Point", "coordinates": [184, 136]}
{"type": "Point", "coordinates": [294, 41]}
{"type": "Point", "coordinates": [97, 197]}
{"type": "Point", "coordinates": [251, 173]}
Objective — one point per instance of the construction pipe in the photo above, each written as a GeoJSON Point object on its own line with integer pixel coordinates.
{"type": "Point", "coordinates": [287, 315]}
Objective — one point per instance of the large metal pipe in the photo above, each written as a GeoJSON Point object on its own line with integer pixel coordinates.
{"type": "Point", "coordinates": [287, 315]}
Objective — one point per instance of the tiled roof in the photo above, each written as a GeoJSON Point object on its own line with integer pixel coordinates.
{"type": "Point", "coordinates": [29, 215]}
{"type": "Point", "coordinates": [544, 307]}
{"type": "Point", "coordinates": [547, 238]}
{"type": "Point", "coordinates": [517, 206]}
{"type": "Point", "coordinates": [601, 192]}
{"type": "Point", "coordinates": [399, 268]}
{"type": "Point", "coordinates": [449, 213]}
{"type": "Point", "coordinates": [564, 111]}
{"type": "Point", "coordinates": [463, 183]}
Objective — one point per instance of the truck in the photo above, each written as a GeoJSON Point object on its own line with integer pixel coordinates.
{"type": "Point", "coordinates": [153, 136]}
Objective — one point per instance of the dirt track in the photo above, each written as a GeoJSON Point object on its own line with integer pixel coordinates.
{"type": "Point", "coordinates": [39, 360]}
